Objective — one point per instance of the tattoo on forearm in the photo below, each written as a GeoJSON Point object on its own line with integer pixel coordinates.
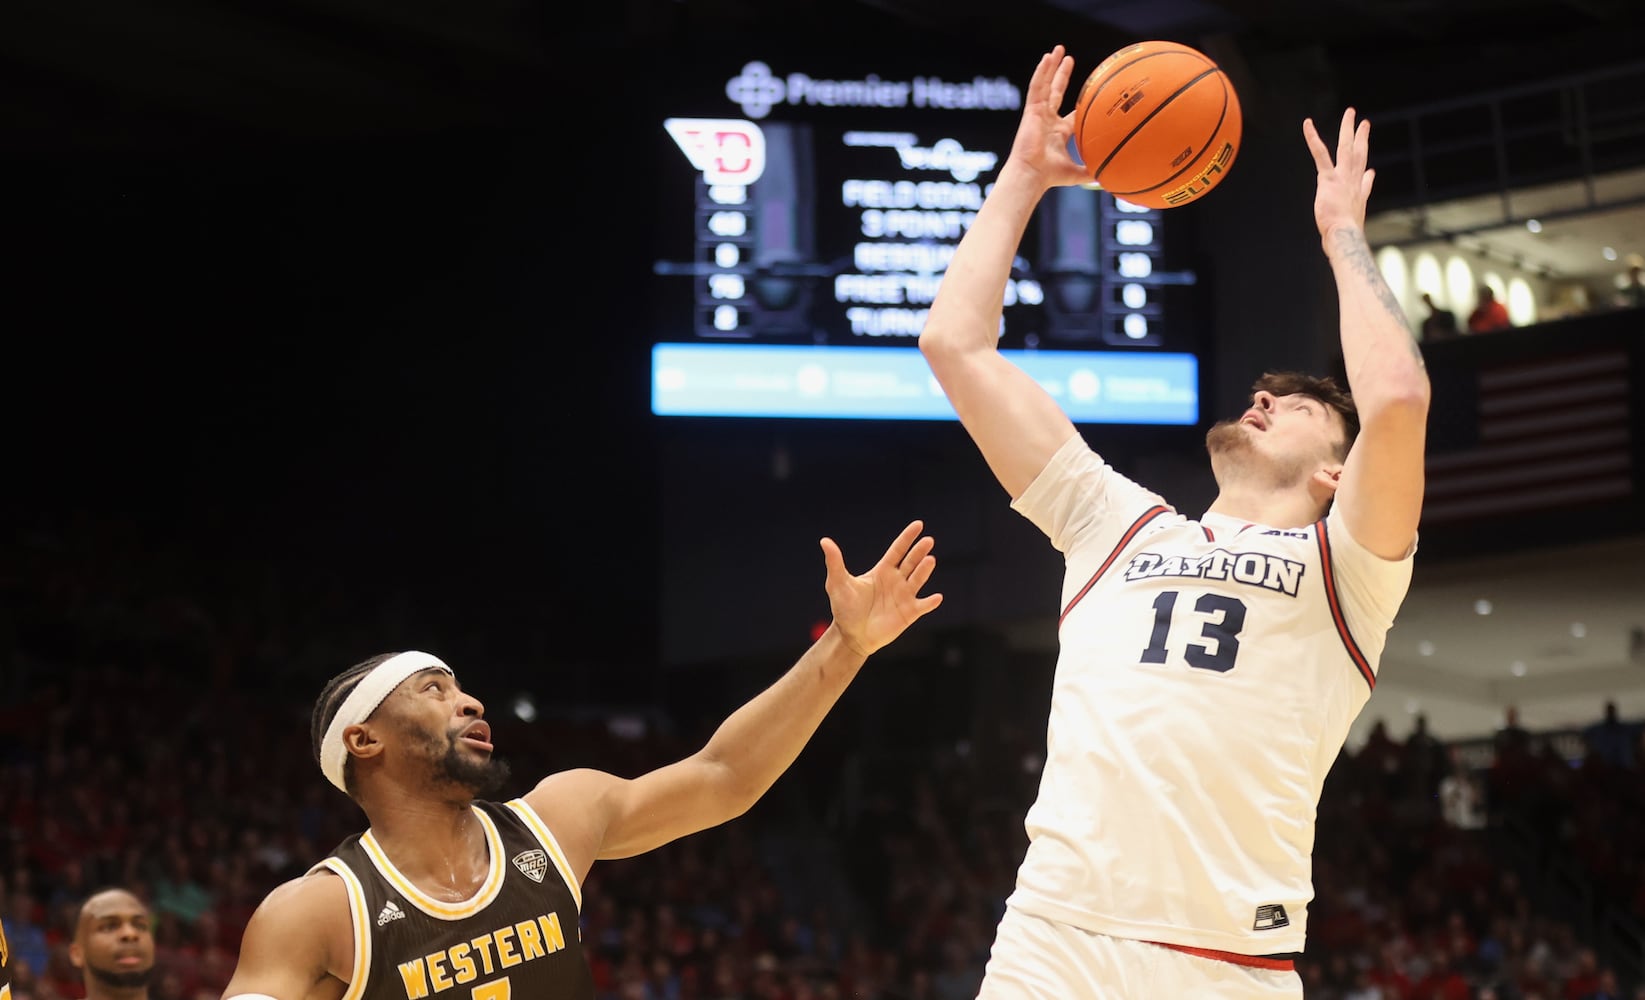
{"type": "Point", "coordinates": [1352, 245]}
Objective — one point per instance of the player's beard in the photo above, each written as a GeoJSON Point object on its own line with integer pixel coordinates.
{"type": "Point", "coordinates": [122, 980]}
{"type": "Point", "coordinates": [481, 775]}
{"type": "Point", "coordinates": [1225, 438]}
{"type": "Point", "coordinates": [1235, 457]}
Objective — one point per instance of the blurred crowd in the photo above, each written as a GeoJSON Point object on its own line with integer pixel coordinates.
{"type": "Point", "coordinates": [141, 752]}
{"type": "Point", "coordinates": [1488, 313]}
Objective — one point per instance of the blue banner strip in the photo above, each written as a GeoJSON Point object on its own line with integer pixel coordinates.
{"type": "Point", "coordinates": [894, 383]}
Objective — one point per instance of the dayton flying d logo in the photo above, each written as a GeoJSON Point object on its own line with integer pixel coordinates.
{"type": "Point", "coordinates": [726, 150]}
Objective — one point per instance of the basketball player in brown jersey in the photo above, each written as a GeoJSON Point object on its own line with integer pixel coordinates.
{"type": "Point", "coordinates": [113, 946]}
{"type": "Point", "coordinates": [5, 964]}
{"type": "Point", "coordinates": [448, 893]}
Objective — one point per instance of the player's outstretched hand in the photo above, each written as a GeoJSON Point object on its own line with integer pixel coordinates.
{"type": "Point", "coordinates": [875, 607]}
{"type": "Point", "coordinates": [1043, 135]}
{"type": "Point", "coordinates": [1344, 185]}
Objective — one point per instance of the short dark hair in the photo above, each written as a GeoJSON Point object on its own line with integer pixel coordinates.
{"type": "Point", "coordinates": [1321, 387]}
{"type": "Point", "coordinates": [330, 701]}
{"type": "Point", "coordinates": [80, 914]}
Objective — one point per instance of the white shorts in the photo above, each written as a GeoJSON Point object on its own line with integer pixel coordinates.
{"type": "Point", "coordinates": [1038, 959]}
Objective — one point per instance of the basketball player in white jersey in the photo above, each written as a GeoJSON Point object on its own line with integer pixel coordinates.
{"type": "Point", "coordinates": [446, 891]}
{"type": "Point", "coordinates": [1209, 667]}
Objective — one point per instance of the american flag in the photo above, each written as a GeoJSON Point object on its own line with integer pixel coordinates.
{"type": "Point", "coordinates": [1549, 433]}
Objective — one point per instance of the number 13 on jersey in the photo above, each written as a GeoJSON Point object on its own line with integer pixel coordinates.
{"type": "Point", "coordinates": [1220, 619]}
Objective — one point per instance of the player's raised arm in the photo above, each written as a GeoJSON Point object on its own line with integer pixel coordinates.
{"type": "Point", "coordinates": [617, 818]}
{"type": "Point", "coordinates": [1015, 422]}
{"type": "Point", "coordinates": [1380, 494]}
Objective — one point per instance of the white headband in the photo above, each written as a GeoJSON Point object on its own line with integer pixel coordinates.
{"type": "Point", "coordinates": [363, 700]}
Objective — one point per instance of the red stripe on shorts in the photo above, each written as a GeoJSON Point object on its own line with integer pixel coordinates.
{"type": "Point", "coordinates": [1252, 961]}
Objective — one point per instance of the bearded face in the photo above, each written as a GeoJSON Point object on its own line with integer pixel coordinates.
{"type": "Point", "coordinates": [456, 761]}
{"type": "Point", "coordinates": [481, 774]}
{"type": "Point", "coordinates": [1276, 444]}
{"type": "Point", "coordinates": [1225, 438]}
{"type": "Point", "coordinates": [114, 941]}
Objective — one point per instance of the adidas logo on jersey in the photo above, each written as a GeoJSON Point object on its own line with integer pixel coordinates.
{"type": "Point", "coordinates": [1271, 917]}
{"type": "Point", "coordinates": [533, 864]}
{"type": "Point", "coordinates": [391, 911]}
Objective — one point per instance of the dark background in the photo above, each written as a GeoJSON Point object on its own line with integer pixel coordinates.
{"type": "Point", "coordinates": [349, 287]}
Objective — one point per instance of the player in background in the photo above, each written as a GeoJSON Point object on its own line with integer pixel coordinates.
{"type": "Point", "coordinates": [1209, 669]}
{"type": "Point", "coordinates": [447, 890]}
{"type": "Point", "coordinates": [5, 964]}
{"type": "Point", "coordinates": [113, 946]}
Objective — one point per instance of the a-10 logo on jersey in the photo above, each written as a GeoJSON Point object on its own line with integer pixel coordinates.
{"type": "Point", "coordinates": [1257, 569]}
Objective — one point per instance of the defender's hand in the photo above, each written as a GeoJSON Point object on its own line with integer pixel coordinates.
{"type": "Point", "coordinates": [874, 608]}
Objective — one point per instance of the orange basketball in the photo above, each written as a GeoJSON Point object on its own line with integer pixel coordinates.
{"type": "Point", "coordinates": [1157, 124]}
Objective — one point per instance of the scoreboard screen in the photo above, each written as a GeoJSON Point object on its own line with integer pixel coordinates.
{"type": "Point", "coordinates": [806, 214]}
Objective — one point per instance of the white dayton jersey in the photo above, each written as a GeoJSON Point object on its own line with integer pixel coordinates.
{"type": "Point", "coordinates": [1208, 675]}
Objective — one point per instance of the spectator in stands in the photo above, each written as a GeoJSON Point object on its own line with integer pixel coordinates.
{"type": "Point", "coordinates": [178, 893]}
{"type": "Point", "coordinates": [25, 985]}
{"type": "Point", "coordinates": [25, 936]}
{"type": "Point", "coordinates": [1582, 979]}
{"type": "Point", "coordinates": [1608, 988]}
{"type": "Point", "coordinates": [1424, 760]}
{"type": "Point", "coordinates": [1489, 314]}
{"type": "Point", "coordinates": [1611, 740]}
{"type": "Point", "coordinates": [1440, 323]}
{"type": "Point", "coordinates": [1512, 739]}
{"type": "Point", "coordinates": [1462, 800]}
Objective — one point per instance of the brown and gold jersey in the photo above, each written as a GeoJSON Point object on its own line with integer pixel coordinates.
{"type": "Point", "coordinates": [5, 965]}
{"type": "Point", "coordinates": [515, 939]}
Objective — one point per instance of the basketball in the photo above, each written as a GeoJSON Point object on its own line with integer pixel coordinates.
{"type": "Point", "coordinates": [1158, 124]}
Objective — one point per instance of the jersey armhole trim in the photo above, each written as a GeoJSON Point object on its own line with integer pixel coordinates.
{"type": "Point", "coordinates": [546, 837]}
{"type": "Point", "coordinates": [1125, 539]}
{"type": "Point", "coordinates": [1329, 576]}
{"type": "Point", "coordinates": [360, 921]}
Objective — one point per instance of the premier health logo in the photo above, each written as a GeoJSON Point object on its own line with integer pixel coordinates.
{"type": "Point", "coordinates": [756, 90]}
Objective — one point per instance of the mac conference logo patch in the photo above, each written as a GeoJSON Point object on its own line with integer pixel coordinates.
{"type": "Point", "coordinates": [532, 864]}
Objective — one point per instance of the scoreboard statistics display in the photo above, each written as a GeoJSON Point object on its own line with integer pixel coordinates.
{"type": "Point", "coordinates": [805, 219]}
